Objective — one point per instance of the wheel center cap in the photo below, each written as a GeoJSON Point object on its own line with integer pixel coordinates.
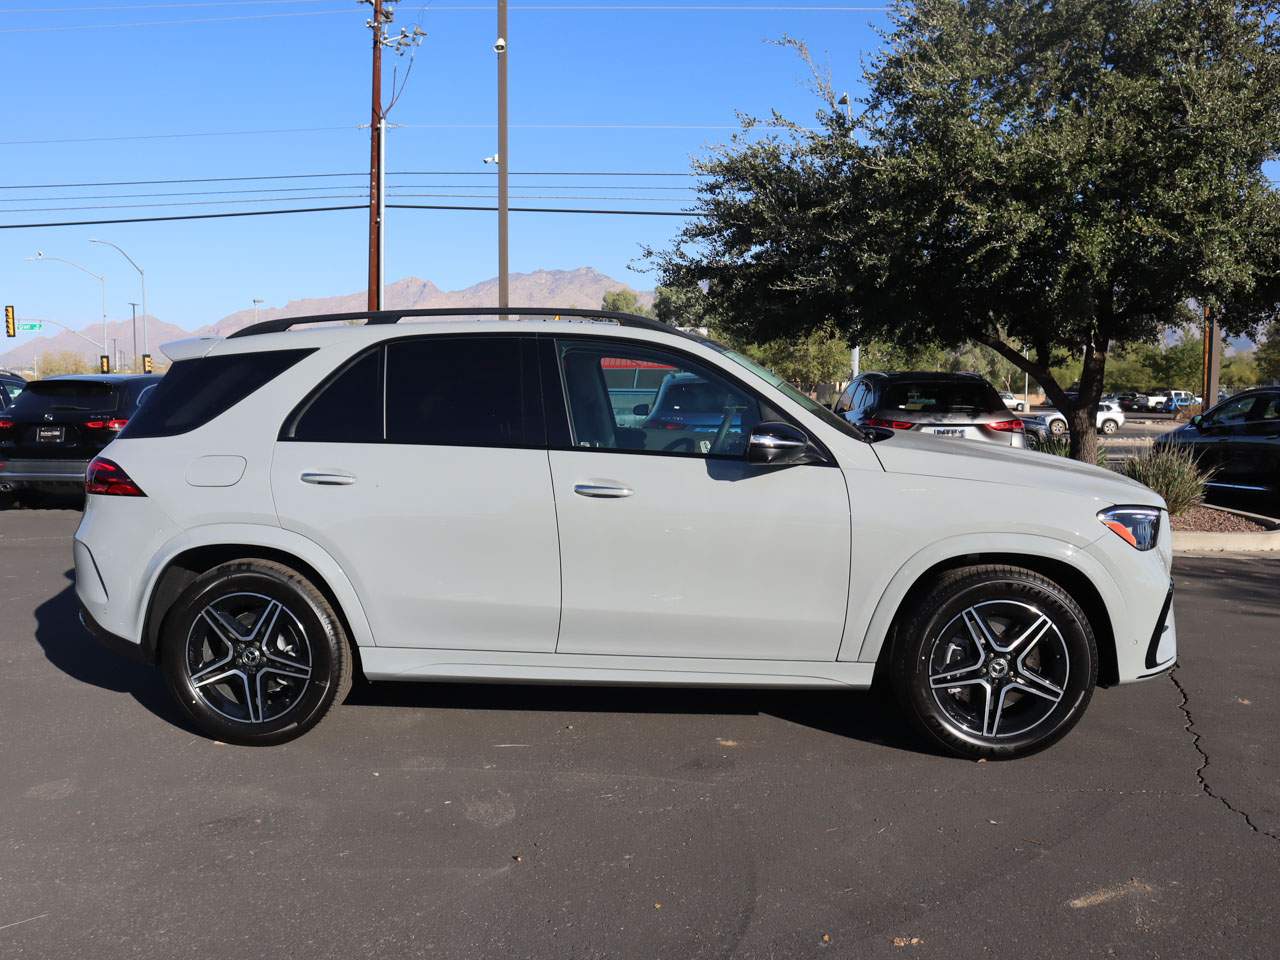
{"type": "Point", "coordinates": [250, 656]}
{"type": "Point", "coordinates": [999, 668]}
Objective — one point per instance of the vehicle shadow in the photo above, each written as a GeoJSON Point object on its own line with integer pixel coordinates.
{"type": "Point", "coordinates": [68, 646]}
{"type": "Point", "coordinates": [867, 716]}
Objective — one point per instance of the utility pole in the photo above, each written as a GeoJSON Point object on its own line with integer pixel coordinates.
{"type": "Point", "coordinates": [257, 301]}
{"type": "Point", "coordinates": [134, 307]}
{"type": "Point", "coordinates": [504, 161]}
{"type": "Point", "coordinates": [376, 179]}
{"type": "Point", "coordinates": [1212, 363]}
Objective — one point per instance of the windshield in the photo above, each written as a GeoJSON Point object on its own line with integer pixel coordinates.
{"type": "Point", "coordinates": [811, 405]}
{"type": "Point", "coordinates": [52, 395]}
{"type": "Point", "coordinates": [941, 396]}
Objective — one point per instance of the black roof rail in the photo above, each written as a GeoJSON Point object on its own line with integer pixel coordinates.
{"type": "Point", "coordinates": [379, 317]}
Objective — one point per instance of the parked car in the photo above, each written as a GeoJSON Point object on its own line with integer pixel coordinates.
{"type": "Point", "coordinates": [57, 425]}
{"type": "Point", "coordinates": [1239, 440]}
{"type": "Point", "coordinates": [455, 500]}
{"type": "Point", "coordinates": [1130, 402]}
{"type": "Point", "coordinates": [958, 405]}
{"type": "Point", "coordinates": [1178, 399]}
{"type": "Point", "coordinates": [11, 387]}
{"type": "Point", "coordinates": [1013, 402]}
{"type": "Point", "coordinates": [1109, 419]}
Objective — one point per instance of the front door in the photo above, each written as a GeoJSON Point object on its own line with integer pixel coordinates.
{"type": "Point", "coordinates": [672, 545]}
{"type": "Point", "coordinates": [434, 496]}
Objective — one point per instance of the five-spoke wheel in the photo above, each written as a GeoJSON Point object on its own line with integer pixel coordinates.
{"type": "Point", "coordinates": [996, 662]}
{"type": "Point", "coordinates": [254, 653]}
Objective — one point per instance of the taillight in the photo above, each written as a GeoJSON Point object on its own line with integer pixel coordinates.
{"type": "Point", "coordinates": [107, 478]}
{"type": "Point", "coordinates": [6, 424]}
{"type": "Point", "coordinates": [1005, 426]}
{"type": "Point", "coordinates": [115, 426]}
{"type": "Point", "coordinates": [891, 424]}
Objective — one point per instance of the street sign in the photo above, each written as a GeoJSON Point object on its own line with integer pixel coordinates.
{"type": "Point", "coordinates": [31, 325]}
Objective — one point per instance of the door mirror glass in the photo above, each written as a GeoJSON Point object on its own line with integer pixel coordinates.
{"type": "Point", "coordinates": [778, 444]}
{"type": "Point", "coordinates": [1197, 421]}
{"type": "Point", "coordinates": [640, 410]}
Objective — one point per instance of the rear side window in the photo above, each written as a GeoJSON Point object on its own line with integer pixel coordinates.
{"type": "Point", "coordinates": [193, 392]}
{"type": "Point", "coordinates": [462, 391]}
{"type": "Point", "coordinates": [347, 409]}
{"type": "Point", "coordinates": [48, 396]}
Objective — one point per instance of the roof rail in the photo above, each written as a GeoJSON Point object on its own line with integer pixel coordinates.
{"type": "Point", "coordinates": [379, 317]}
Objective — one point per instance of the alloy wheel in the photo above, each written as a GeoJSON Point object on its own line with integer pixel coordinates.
{"type": "Point", "coordinates": [248, 657]}
{"type": "Point", "coordinates": [998, 669]}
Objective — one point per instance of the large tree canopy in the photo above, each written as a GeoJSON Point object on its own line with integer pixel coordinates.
{"type": "Point", "coordinates": [1053, 180]}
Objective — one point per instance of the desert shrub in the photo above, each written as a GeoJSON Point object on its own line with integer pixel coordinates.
{"type": "Point", "coordinates": [1172, 473]}
{"type": "Point", "coordinates": [1061, 447]}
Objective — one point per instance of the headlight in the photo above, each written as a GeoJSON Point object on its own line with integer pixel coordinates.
{"type": "Point", "coordinates": [1137, 526]}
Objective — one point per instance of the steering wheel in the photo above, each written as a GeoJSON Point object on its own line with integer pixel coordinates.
{"type": "Point", "coordinates": [722, 434]}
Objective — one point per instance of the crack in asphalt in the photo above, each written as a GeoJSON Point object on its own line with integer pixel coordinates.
{"type": "Point", "coordinates": [1204, 761]}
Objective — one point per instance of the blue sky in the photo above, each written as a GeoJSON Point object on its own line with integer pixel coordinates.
{"type": "Point", "coordinates": [690, 69]}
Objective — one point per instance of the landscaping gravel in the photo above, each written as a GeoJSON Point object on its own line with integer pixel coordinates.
{"type": "Point", "coordinates": [1208, 520]}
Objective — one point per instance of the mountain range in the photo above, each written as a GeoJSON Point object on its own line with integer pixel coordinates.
{"type": "Point", "coordinates": [583, 287]}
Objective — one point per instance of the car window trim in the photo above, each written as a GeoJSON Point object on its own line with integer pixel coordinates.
{"type": "Point", "coordinates": [827, 460]}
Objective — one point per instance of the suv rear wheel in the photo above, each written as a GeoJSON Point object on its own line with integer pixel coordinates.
{"type": "Point", "coordinates": [254, 653]}
{"type": "Point", "coordinates": [997, 663]}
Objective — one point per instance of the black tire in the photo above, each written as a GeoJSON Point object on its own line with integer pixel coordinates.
{"type": "Point", "coordinates": [1058, 428]}
{"type": "Point", "coordinates": [1109, 427]}
{"type": "Point", "coordinates": [282, 675]}
{"type": "Point", "coordinates": [1063, 657]}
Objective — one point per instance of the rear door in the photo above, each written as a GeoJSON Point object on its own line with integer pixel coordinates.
{"type": "Point", "coordinates": [1254, 447]}
{"type": "Point", "coordinates": [1218, 445]}
{"type": "Point", "coordinates": [672, 545]}
{"type": "Point", "coordinates": [421, 467]}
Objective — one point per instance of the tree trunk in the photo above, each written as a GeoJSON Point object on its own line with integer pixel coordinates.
{"type": "Point", "coordinates": [1082, 415]}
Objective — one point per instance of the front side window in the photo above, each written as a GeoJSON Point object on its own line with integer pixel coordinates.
{"type": "Point", "coordinates": [685, 408]}
{"type": "Point", "coordinates": [462, 391]}
{"type": "Point", "coordinates": [1233, 412]}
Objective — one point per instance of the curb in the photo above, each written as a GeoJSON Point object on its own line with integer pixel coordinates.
{"type": "Point", "coordinates": [1188, 541]}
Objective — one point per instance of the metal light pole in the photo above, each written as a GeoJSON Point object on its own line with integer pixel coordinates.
{"type": "Point", "coordinates": [504, 161]}
{"type": "Point", "coordinates": [136, 365]}
{"type": "Point", "coordinates": [142, 280]}
{"type": "Point", "coordinates": [102, 280]}
{"type": "Point", "coordinates": [256, 302]}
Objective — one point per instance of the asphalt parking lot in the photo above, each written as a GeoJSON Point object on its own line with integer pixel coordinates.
{"type": "Point", "coordinates": [456, 821]}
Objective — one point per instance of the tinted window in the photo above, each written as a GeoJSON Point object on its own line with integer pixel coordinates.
{"type": "Point", "coordinates": [693, 410]}
{"type": "Point", "coordinates": [67, 395]}
{"type": "Point", "coordinates": [845, 403]}
{"type": "Point", "coordinates": [348, 409]}
{"type": "Point", "coordinates": [193, 392]}
{"type": "Point", "coordinates": [941, 396]}
{"type": "Point", "coordinates": [460, 391]}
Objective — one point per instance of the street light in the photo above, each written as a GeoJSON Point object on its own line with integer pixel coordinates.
{"type": "Point", "coordinates": [142, 279]}
{"type": "Point", "coordinates": [40, 255]}
{"type": "Point", "coordinates": [257, 302]}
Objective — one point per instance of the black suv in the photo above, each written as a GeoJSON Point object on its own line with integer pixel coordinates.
{"type": "Point", "coordinates": [960, 405]}
{"type": "Point", "coordinates": [1239, 439]}
{"type": "Point", "coordinates": [56, 426]}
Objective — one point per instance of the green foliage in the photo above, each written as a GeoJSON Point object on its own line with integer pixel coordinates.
{"type": "Point", "coordinates": [821, 356]}
{"type": "Point", "coordinates": [65, 361]}
{"type": "Point", "coordinates": [1172, 473]}
{"type": "Point", "coordinates": [1180, 365]}
{"type": "Point", "coordinates": [1053, 182]}
{"type": "Point", "coordinates": [624, 301]}
{"type": "Point", "coordinates": [1239, 372]}
{"type": "Point", "coordinates": [682, 306]}
{"type": "Point", "coordinates": [1267, 356]}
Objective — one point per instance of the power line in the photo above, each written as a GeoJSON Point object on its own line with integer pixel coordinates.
{"type": "Point", "coordinates": [171, 136]}
{"type": "Point", "coordinates": [358, 173]}
{"type": "Point", "coordinates": [401, 186]}
{"type": "Point", "coordinates": [462, 8]}
{"type": "Point", "coordinates": [188, 203]}
{"type": "Point", "coordinates": [175, 23]}
{"type": "Point", "coordinates": [166, 6]}
{"type": "Point", "coordinates": [399, 206]}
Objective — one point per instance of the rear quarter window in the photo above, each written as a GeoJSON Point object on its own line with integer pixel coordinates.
{"type": "Point", "coordinates": [194, 392]}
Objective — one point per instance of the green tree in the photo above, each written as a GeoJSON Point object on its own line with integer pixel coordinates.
{"type": "Point", "coordinates": [624, 301]}
{"type": "Point", "coordinates": [64, 361]}
{"type": "Point", "coordinates": [1052, 182]}
{"type": "Point", "coordinates": [1267, 356]}
{"type": "Point", "coordinates": [1179, 365]}
{"type": "Point", "coordinates": [821, 356]}
{"type": "Point", "coordinates": [1239, 372]}
{"type": "Point", "coordinates": [682, 306]}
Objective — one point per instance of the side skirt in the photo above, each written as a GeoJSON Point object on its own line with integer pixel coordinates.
{"type": "Point", "coordinates": [401, 663]}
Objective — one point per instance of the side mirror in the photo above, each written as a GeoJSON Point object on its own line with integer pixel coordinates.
{"type": "Point", "coordinates": [640, 410]}
{"type": "Point", "coordinates": [1197, 421]}
{"type": "Point", "coordinates": [778, 444]}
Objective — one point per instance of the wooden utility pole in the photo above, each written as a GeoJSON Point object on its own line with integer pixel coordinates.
{"type": "Point", "coordinates": [504, 164]}
{"type": "Point", "coordinates": [1212, 364]}
{"type": "Point", "coordinates": [376, 131]}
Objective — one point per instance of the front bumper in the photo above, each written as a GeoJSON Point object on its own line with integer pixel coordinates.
{"type": "Point", "coordinates": [43, 471]}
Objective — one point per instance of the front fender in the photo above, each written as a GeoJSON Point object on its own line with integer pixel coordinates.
{"type": "Point", "coordinates": [272, 538]}
{"type": "Point", "coordinates": [864, 642]}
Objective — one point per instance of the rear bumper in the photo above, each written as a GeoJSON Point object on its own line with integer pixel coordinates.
{"type": "Point", "coordinates": [116, 644]}
{"type": "Point", "coordinates": [43, 471]}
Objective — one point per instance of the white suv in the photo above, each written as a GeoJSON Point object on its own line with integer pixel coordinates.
{"type": "Point", "coordinates": [492, 498]}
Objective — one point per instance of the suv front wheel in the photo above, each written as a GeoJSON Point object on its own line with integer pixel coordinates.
{"type": "Point", "coordinates": [997, 662]}
{"type": "Point", "coordinates": [254, 653]}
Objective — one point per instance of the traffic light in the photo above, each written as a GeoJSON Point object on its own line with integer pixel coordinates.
{"type": "Point", "coordinates": [104, 363]}
{"type": "Point", "coordinates": [146, 363]}
{"type": "Point", "coordinates": [10, 323]}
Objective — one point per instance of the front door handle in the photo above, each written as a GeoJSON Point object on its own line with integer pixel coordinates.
{"type": "Point", "coordinates": [328, 479]}
{"type": "Point", "coordinates": [607, 489]}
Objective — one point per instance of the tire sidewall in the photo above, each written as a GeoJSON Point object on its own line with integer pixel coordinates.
{"type": "Point", "coordinates": [939, 610]}
{"type": "Point", "coordinates": [321, 633]}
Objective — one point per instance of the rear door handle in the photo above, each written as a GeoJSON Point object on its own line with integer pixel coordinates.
{"type": "Point", "coordinates": [328, 479]}
{"type": "Point", "coordinates": [606, 489]}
